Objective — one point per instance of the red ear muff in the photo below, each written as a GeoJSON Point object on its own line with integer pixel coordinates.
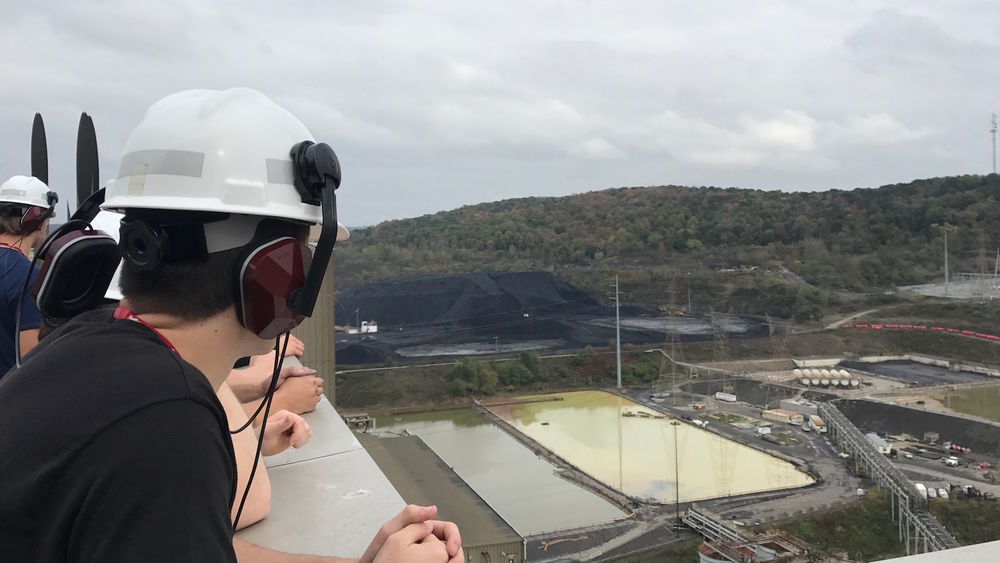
{"type": "Point", "coordinates": [34, 216]}
{"type": "Point", "coordinates": [267, 277]}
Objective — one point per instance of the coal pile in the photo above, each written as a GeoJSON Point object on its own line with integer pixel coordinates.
{"type": "Point", "coordinates": [476, 314]}
{"type": "Point", "coordinates": [498, 303]}
{"type": "Point", "coordinates": [871, 416]}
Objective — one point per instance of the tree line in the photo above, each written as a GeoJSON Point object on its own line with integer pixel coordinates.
{"type": "Point", "coordinates": [742, 247]}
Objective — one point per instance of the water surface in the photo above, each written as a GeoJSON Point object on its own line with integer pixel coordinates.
{"type": "Point", "coordinates": [522, 488]}
{"type": "Point", "coordinates": [636, 455]}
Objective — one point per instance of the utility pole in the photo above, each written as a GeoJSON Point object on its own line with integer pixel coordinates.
{"type": "Point", "coordinates": [357, 318]}
{"type": "Point", "coordinates": [945, 229]}
{"type": "Point", "coordinates": [677, 480]}
{"type": "Point", "coordinates": [993, 132]}
{"type": "Point", "coordinates": [618, 331]}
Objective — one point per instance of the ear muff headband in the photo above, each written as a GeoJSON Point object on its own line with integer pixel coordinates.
{"type": "Point", "coordinates": [268, 274]}
{"type": "Point", "coordinates": [34, 215]}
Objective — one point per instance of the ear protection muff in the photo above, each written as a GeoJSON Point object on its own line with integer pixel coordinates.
{"type": "Point", "coordinates": [267, 276]}
{"type": "Point", "coordinates": [77, 271]}
{"type": "Point", "coordinates": [34, 216]}
{"type": "Point", "coordinates": [278, 281]}
{"type": "Point", "coordinates": [78, 263]}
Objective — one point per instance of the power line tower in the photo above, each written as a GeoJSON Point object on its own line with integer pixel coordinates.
{"type": "Point", "coordinates": [777, 338]}
{"type": "Point", "coordinates": [720, 352]}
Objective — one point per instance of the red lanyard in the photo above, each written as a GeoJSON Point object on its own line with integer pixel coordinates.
{"type": "Point", "coordinates": [12, 247]}
{"type": "Point", "coordinates": [123, 313]}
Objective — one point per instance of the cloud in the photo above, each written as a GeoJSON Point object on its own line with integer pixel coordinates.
{"type": "Point", "coordinates": [433, 105]}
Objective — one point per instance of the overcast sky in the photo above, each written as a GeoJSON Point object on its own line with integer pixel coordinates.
{"type": "Point", "coordinates": [433, 105]}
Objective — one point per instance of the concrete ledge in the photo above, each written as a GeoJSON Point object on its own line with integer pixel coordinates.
{"type": "Point", "coordinates": [328, 498]}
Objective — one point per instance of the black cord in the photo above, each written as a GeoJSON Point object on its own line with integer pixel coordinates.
{"type": "Point", "coordinates": [263, 401]}
{"type": "Point", "coordinates": [263, 423]}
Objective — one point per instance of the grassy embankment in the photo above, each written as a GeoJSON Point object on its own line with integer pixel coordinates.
{"type": "Point", "coordinates": [984, 402]}
{"type": "Point", "coordinates": [864, 530]}
{"type": "Point", "coordinates": [970, 521]}
{"type": "Point", "coordinates": [433, 387]}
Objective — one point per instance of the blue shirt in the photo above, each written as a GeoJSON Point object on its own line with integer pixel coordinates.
{"type": "Point", "coordinates": [13, 270]}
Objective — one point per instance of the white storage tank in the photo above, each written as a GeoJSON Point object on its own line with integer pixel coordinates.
{"type": "Point", "coordinates": [797, 372]}
{"type": "Point", "coordinates": [845, 374]}
{"type": "Point", "coordinates": [942, 493]}
{"type": "Point", "coordinates": [855, 383]}
{"type": "Point", "coordinates": [804, 381]}
{"type": "Point", "coordinates": [824, 382]}
{"type": "Point", "coordinates": [921, 489]}
{"type": "Point", "coordinates": [931, 492]}
{"type": "Point", "coordinates": [815, 381]}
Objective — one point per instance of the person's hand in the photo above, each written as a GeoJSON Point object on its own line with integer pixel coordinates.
{"type": "Point", "coordinates": [446, 532]}
{"type": "Point", "coordinates": [293, 371]}
{"type": "Point", "coordinates": [299, 394]}
{"type": "Point", "coordinates": [295, 347]}
{"type": "Point", "coordinates": [415, 543]}
{"type": "Point", "coordinates": [284, 429]}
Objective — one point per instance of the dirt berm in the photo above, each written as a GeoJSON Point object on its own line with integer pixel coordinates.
{"type": "Point", "coordinates": [871, 416]}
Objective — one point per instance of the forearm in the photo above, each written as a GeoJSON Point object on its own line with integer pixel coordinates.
{"type": "Point", "coordinates": [247, 391]}
{"type": "Point", "coordinates": [247, 552]}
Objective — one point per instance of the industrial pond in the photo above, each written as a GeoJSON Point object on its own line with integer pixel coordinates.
{"type": "Point", "coordinates": [524, 489]}
{"type": "Point", "coordinates": [632, 449]}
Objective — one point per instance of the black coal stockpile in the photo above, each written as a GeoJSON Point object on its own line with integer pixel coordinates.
{"type": "Point", "coordinates": [498, 303]}
{"type": "Point", "coordinates": [893, 419]}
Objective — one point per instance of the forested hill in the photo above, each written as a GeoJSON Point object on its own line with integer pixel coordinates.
{"type": "Point", "coordinates": [859, 239]}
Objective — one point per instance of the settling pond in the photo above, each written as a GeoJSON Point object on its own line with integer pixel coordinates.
{"type": "Point", "coordinates": [632, 454]}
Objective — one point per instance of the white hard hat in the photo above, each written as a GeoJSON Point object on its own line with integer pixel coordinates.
{"type": "Point", "coordinates": [26, 191]}
{"type": "Point", "coordinates": [110, 222]}
{"type": "Point", "coordinates": [209, 150]}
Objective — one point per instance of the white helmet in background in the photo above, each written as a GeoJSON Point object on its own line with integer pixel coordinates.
{"type": "Point", "coordinates": [27, 191]}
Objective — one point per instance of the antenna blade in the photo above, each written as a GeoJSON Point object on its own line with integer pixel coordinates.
{"type": "Point", "coordinates": [39, 150]}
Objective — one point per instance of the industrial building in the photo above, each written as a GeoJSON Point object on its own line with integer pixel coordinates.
{"type": "Point", "coordinates": [880, 444]}
{"type": "Point", "coordinates": [804, 408]}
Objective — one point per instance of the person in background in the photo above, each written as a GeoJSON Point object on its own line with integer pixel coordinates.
{"type": "Point", "coordinates": [122, 450]}
{"type": "Point", "coordinates": [26, 205]}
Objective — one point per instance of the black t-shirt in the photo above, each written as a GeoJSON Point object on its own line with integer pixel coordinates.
{"type": "Point", "coordinates": [112, 448]}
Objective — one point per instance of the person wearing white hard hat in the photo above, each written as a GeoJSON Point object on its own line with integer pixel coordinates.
{"type": "Point", "coordinates": [298, 391]}
{"type": "Point", "coordinates": [128, 455]}
{"type": "Point", "coordinates": [26, 205]}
